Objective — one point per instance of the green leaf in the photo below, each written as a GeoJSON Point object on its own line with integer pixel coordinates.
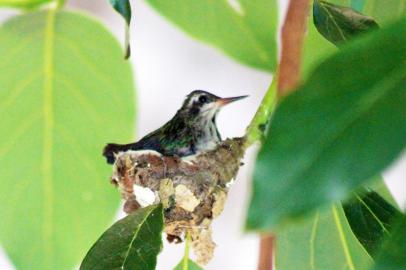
{"type": "Point", "coordinates": [323, 240]}
{"type": "Point", "coordinates": [188, 265]}
{"type": "Point", "coordinates": [326, 138]}
{"type": "Point", "coordinates": [131, 243]}
{"type": "Point", "coordinates": [385, 11]}
{"type": "Point", "coordinates": [64, 92]}
{"type": "Point", "coordinates": [370, 217]}
{"type": "Point", "coordinates": [24, 3]}
{"type": "Point", "coordinates": [358, 4]}
{"type": "Point", "coordinates": [392, 256]}
{"type": "Point", "coordinates": [124, 8]}
{"type": "Point", "coordinates": [339, 24]}
{"type": "Point", "coordinates": [245, 29]}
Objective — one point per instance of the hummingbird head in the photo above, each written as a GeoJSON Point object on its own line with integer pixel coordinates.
{"type": "Point", "coordinates": [202, 104]}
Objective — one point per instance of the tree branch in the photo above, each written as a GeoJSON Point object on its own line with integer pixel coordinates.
{"type": "Point", "coordinates": [292, 44]}
{"type": "Point", "coordinates": [288, 77]}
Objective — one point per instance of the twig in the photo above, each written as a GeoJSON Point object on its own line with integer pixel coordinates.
{"type": "Point", "coordinates": [288, 78]}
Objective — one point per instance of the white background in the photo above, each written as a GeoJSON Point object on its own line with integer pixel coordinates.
{"type": "Point", "coordinates": [168, 65]}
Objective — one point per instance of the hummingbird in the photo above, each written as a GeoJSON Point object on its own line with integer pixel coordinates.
{"type": "Point", "coordinates": [191, 130]}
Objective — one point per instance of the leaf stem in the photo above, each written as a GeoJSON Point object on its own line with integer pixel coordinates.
{"type": "Point", "coordinates": [185, 263]}
{"type": "Point", "coordinates": [258, 125]}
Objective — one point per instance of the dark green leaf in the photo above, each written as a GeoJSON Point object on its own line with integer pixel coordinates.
{"type": "Point", "coordinates": [343, 126]}
{"type": "Point", "coordinates": [323, 240]}
{"type": "Point", "coordinates": [131, 243]}
{"type": "Point", "coordinates": [244, 29]}
{"type": "Point", "coordinates": [393, 253]}
{"type": "Point", "coordinates": [188, 265]}
{"type": "Point", "coordinates": [64, 92]}
{"type": "Point", "coordinates": [370, 217]}
{"type": "Point", "coordinates": [124, 8]}
{"type": "Point", "coordinates": [339, 24]}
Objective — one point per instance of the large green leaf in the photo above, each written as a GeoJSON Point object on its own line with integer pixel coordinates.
{"type": "Point", "coordinates": [131, 243]}
{"type": "Point", "coordinates": [65, 91]}
{"type": "Point", "coordinates": [327, 138]}
{"type": "Point", "coordinates": [370, 217]}
{"type": "Point", "coordinates": [339, 24]}
{"type": "Point", "coordinates": [392, 256]}
{"type": "Point", "coordinates": [323, 240]}
{"type": "Point", "coordinates": [243, 29]}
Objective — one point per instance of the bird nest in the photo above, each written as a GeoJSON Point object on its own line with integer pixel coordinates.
{"type": "Point", "coordinates": [192, 190]}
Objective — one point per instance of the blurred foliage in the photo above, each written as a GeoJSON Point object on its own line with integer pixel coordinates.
{"type": "Point", "coordinates": [245, 29]}
{"type": "Point", "coordinates": [131, 243]}
{"type": "Point", "coordinates": [24, 3]}
{"type": "Point", "coordinates": [64, 92]}
{"type": "Point", "coordinates": [314, 142]}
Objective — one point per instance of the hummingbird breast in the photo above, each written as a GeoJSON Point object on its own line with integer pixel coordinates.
{"type": "Point", "coordinates": [206, 135]}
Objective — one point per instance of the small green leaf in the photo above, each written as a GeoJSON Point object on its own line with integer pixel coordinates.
{"type": "Point", "coordinates": [24, 3]}
{"type": "Point", "coordinates": [323, 240]}
{"type": "Point", "coordinates": [327, 138]}
{"type": "Point", "coordinates": [392, 255]}
{"type": "Point", "coordinates": [189, 265]}
{"type": "Point", "coordinates": [131, 243]}
{"type": "Point", "coordinates": [245, 30]}
{"type": "Point", "coordinates": [124, 8]}
{"type": "Point", "coordinates": [64, 92]}
{"type": "Point", "coordinates": [339, 24]}
{"type": "Point", "coordinates": [370, 217]}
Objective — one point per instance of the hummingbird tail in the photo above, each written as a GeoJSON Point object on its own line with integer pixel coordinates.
{"type": "Point", "coordinates": [112, 149]}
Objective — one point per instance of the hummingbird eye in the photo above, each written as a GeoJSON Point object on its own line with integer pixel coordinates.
{"type": "Point", "coordinates": [203, 99]}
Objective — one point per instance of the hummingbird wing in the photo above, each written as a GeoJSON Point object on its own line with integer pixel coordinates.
{"type": "Point", "coordinates": [174, 138]}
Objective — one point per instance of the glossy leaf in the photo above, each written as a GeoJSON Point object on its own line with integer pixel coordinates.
{"type": "Point", "coordinates": [23, 3]}
{"type": "Point", "coordinates": [326, 138]}
{"type": "Point", "coordinates": [124, 8]}
{"type": "Point", "coordinates": [245, 29]}
{"type": "Point", "coordinates": [323, 240]}
{"type": "Point", "coordinates": [131, 243]}
{"type": "Point", "coordinates": [339, 24]}
{"type": "Point", "coordinates": [64, 92]}
{"type": "Point", "coordinates": [392, 256]}
{"type": "Point", "coordinates": [189, 265]}
{"type": "Point", "coordinates": [370, 217]}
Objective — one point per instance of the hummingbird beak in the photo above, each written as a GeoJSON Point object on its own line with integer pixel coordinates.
{"type": "Point", "coordinates": [224, 101]}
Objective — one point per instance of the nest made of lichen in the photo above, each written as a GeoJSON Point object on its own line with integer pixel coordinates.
{"type": "Point", "coordinates": [192, 190]}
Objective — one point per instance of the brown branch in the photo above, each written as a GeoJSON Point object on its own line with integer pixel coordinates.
{"type": "Point", "coordinates": [288, 78]}
{"type": "Point", "coordinates": [292, 41]}
{"type": "Point", "coordinates": [266, 252]}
